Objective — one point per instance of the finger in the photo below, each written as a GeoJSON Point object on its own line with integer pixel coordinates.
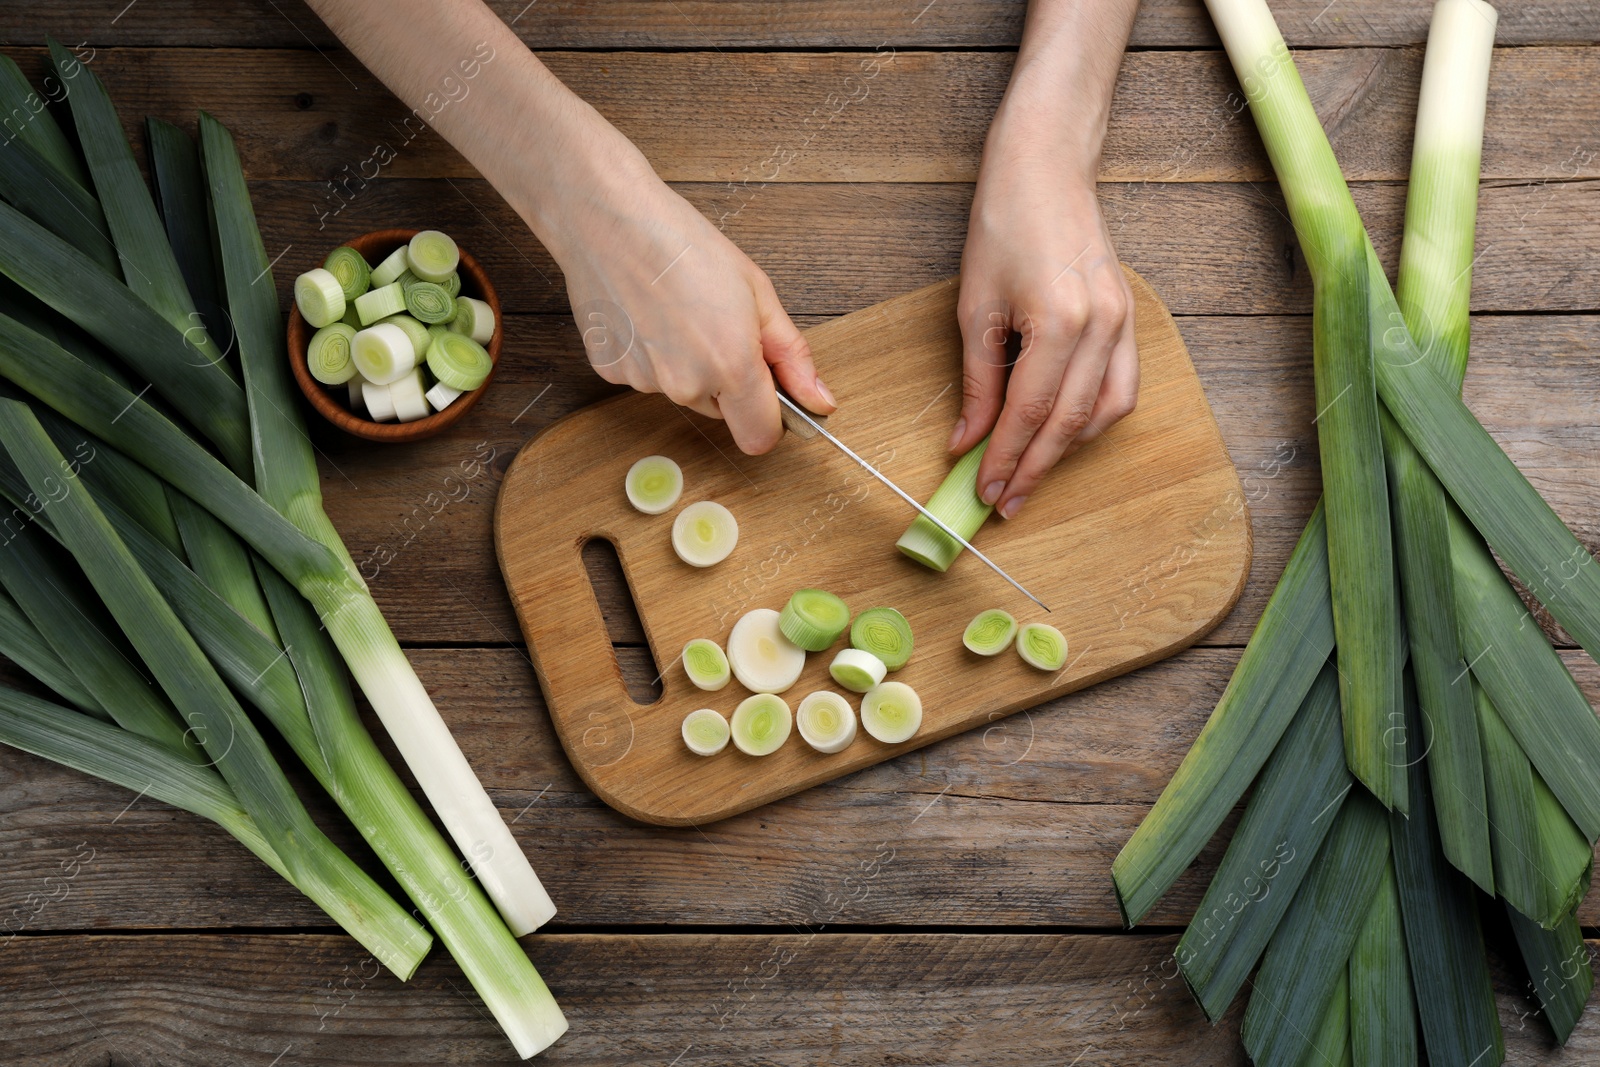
{"type": "Point", "coordinates": [1030, 397]}
{"type": "Point", "coordinates": [785, 350]}
{"type": "Point", "coordinates": [983, 374]}
{"type": "Point", "coordinates": [750, 405]}
{"type": "Point", "coordinates": [1079, 387]}
{"type": "Point", "coordinates": [1119, 392]}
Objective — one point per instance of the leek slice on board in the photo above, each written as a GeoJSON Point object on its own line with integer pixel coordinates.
{"type": "Point", "coordinates": [706, 664]}
{"type": "Point", "coordinates": [885, 633]}
{"type": "Point", "coordinates": [762, 658]}
{"type": "Point", "coordinates": [703, 533]}
{"type": "Point", "coordinates": [856, 670]}
{"type": "Point", "coordinates": [891, 712]}
{"type": "Point", "coordinates": [814, 619]}
{"type": "Point", "coordinates": [990, 632]}
{"type": "Point", "coordinates": [1042, 646]}
{"type": "Point", "coordinates": [706, 732]}
{"type": "Point", "coordinates": [826, 721]}
{"type": "Point", "coordinates": [761, 724]}
{"type": "Point", "coordinates": [653, 484]}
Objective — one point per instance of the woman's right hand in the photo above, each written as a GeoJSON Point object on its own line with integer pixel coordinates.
{"type": "Point", "coordinates": [667, 304]}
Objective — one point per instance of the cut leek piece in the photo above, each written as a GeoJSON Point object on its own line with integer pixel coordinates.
{"type": "Point", "coordinates": [383, 353]}
{"type": "Point", "coordinates": [990, 632]}
{"type": "Point", "coordinates": [452, 285]}
{"type": "Point", "coordinates": [475, 318]}
{"type": "Point", "coordinates": [704, 533]}
{"type": "Point", "coordinates": [416, 331]}
{"type": "Point", "coordinates": [319, 296]}
{"type": "Point", "coordinates": [814, 619]}
{"type": "Point", "coordinates": [706, 732]}
{"type": "Point", "coordinates": [761, 724]}
{"type": "Point", "coordinates": [328, 354]}
{"type": "Point", "coordinates": [762, 658]}
{"type": "Point", "coordinates": [885, 633]}
{"type": "Point", "coordinates": [375, 398]}
{"type": "Point", "coordinates": [458, 361]}
{"type": "Point", "coordinates": [958, 506]}
{"type": "Point", "coordinates": [350, 267]}
{"type": "Point", "coordinates": [653, 484]}
{"type": "Point", "coordinates": [441, 396]}
{"type": "Point", "coordinates": [706, 664]}
{"type": "Point", "coordinates": [856, 670]}
{"type": "Point", "coordinates": [1042, 646]}
{"type": "Point", "coordinates": [826, 721]}
{"type": "Point", "coordinates": [891, 712]}
{"type": "Point", "coordinates": [429, 303]}
{"type": "Point", "coordinates": [380, 303]}
{"type": "Point", "coordinates": [432, 256]}
{"type": "Point", "coordinates": [409, 398]}
{"type": "Point", "coordinates": [388, 272]}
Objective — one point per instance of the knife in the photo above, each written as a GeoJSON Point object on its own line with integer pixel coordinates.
{"type": "Point", "coordinates": [804, 425]}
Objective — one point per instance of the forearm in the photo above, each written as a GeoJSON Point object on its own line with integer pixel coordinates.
{"type": "Point", "coordinates": [1059, 98]}
{"type": "Point", "coordinates": [466, 73]}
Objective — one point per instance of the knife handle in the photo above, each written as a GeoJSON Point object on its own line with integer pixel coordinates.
{"type": "Point", "coordinates": [797, 425]}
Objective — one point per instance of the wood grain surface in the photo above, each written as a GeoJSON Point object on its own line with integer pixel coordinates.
{"type": "Point", "coordinates": [991, 935]}
{"type": "Point", "coordinates": [1156, 495]}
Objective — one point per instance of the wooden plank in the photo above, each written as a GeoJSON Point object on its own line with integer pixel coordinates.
{"type": "Point", "coordinates": [827, 117]}
{"type": "Point", "coordinates": [421, 530]}
{"type": "Point", "coordinates": [701, 24]}
{"type": "Point", "coordinates": [799, 998]}
{"type": "Point", "coordinates": [1206, 248]}
{"type": "Point", "coordinates": [1157, 492]}
{"type": "Point", "coordinates": [1015, 825]}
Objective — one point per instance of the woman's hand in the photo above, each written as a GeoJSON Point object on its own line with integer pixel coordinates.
{"type": "Point", "coordinates": [668, 304]}
{"type": "Point", "coordinates": [1038, 263]}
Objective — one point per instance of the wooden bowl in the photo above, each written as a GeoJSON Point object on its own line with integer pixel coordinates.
{"type": "Point", "coordinates": [329, 401]}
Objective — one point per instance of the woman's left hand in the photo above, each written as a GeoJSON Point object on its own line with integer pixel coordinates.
{"type": "Point", "coordinates": [1038, 263]}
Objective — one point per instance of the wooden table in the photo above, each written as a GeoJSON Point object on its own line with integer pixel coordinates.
{"type": "Point", "coordinates": [951, 907]}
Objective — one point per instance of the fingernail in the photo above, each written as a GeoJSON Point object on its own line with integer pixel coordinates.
{"type": "Point", "coordinates": [1013, 506]}
{"type": "Point", "coordinates": [955, 435]}
{"type": "Point", "coordinates": [827, 394]}
{"type": "Point", "coordinates": [992, 491]}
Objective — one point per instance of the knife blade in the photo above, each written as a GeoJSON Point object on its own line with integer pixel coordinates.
{"type": "Point", "coordinates": [807, 423]}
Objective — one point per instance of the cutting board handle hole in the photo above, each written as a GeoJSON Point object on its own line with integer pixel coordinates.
{"type": "Point", "coordinates": [629, 645]}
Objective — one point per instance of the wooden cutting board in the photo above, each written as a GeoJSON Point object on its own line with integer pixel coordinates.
{"type": "Point", "coordinates": [1140, 543]}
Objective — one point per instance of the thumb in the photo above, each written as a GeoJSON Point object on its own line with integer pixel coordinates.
{"type": "Point", "coordinates": [787, 353]}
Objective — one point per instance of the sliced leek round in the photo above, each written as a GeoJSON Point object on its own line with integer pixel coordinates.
{"type": "Point", "coordinates": [432, 256]}
{"type": "Point", "coordinates": [885, 633]}
{"type": "Point", "coordinates": [814, 619]}
{"type": "Point", "coordinates": [762, 658]}
{"type": "Point", "coordinates": [389, 271]}
{"type": "Point", "coordinates": [383, 353]}
{"type": "Point", "coordinates": [380, 303]}
{"type": "Point", "coordinates": [475, 318]}
{"type": "Point", "coordinates": [704, 533]}
{"type": "Point", "coordinates": [408, 396]}
{"type": "Point", "coordinates": [653, 484]}
{"type": "Point", "coordinates": [1042, 645]}
{"type": "Point", "coordinates": [328, 354]}
{"type": "Point", "coordinates": [856, 670]}
{"type": "Point", "coordinates": [420, 337]}
{"type": "Point", "coordinates": [320, 297]}
{"type": "Point", "coordinates": [458, 361]}
{"type": "Point", "coordinates": [350, 267]}
{"type": "Point", "coordinates": [891, 712]}
{"type": "Point", "coordinates": [375, 398]}
{"type": "Point", "coordinates": [990, 632]}
{"type": "Point", "coordinates": [826, 721]}
{"type": "Point", "coordinates": [706, 664]}
{"type": "Point", "coordinates": [428, 302]}
{"type": "Point", "coordinates": [441, 396]}
{"type": "Point", "coordinates": [705, 732]}
{"type": "Point", "coordinates": [761, 724]}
